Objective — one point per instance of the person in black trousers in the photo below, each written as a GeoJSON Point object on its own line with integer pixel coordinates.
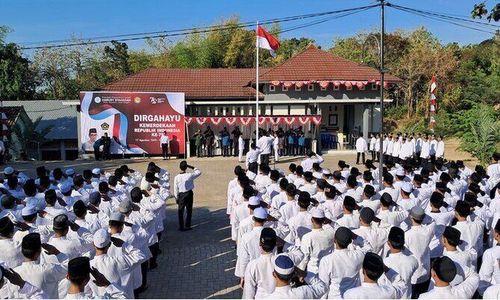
{"type": "Point", "coordinates": [183, 193]}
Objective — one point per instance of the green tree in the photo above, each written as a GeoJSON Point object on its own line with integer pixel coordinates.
{"type": "Point", "coordinates": [117, 55]}
{"type": "Point", "coordinates": [17, 79]}
{"type": "Point", "coordinates": [29, 138]}
{"type": "Point", "coordinates": [480, 11]}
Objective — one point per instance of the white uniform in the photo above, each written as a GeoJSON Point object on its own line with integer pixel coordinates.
{"type": "Point", "coordinates": [307, 163]}
{"type": "Point", "coordinates": [417, 240]}
{"type": "Point", "coordinates": [241, 148]}
{"type": "Point", "coordinates": [440, 149]}
{"type": "Point", "coordinates": [315, 245]}
{"type": "Point", "coordinates": [313, 290]}
{"type": "Point", "coordinates": [403, 264]}
{"type": "Point", "coordinates": [10, 253]}
{"type": "Point", "coordinates": [361, 145]}
{"type": "Point", "coordinates": [248, 249]}
{"type": "Point", "coordinates": [371, 290]}
{"type": "Point", "coordinates": [340, 270]}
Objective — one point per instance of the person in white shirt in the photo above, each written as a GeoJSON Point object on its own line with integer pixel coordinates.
{"type": "Point", "coordinates": [76, 243]}
{"type": "Point", "coordinates": [440, 147]}
{"type": "Point", "coordinates": [276, 148]}
{"type": "Point", "coordinates": [44, 275]}
{"type": "Point", "coordinates": [80, 285]}
{"type": "Point", "coordinates": [373, 269]}
{"type": "Point", "coordinates": [311, 158]}
{"type": "Point", "coordinates": [443, 272]}
{"type": "Point", "coordinates": [265, 143]}
{"type": "Point", "coordinates": [396, 149]}
{"type": "Point", "coordinates": [241, 148]}
{"type": "Point", "coordinates": [373, 141]}
{"type": "Point", "coordinates": [10, 250]}
{"type": "Point", "coordinates": [259, 281]}
{"type": "Point", "coordinates": [417, 240]}
{"type": "Point", "coordinates": [377, 148]}
{"type": "Point", "coordinates": [418, 145]}
{"type": "Point", "coordinates": [432, 148]}
{"type": "Point", "coordinates": [13, 286]}
{"type": "Point", "coordinates": [425, 152]}
{"type": "Point", "coordinates": [389, 148]}
{"type": "Point", "coordinates": [183, 193]}
{"type": "Point", "coordinates": [252, 157]}
{"type": "Point", "coordinates": [317, 243]}
{"type": "Point", "coordinates": [471, 231]}
{"type": "Point", "coordinates": [450, 241]}
{"type": "Point", "coordinates": [284, 270]}
{"type": "Point", "coordinates": [361, 148]}
{"type": "Point", "coordinates": [164, 142]}
{"type": "Point", "coordinates": [493, 170]}
{"type": "Point", "coordinates": [399, 260]}
{"type": "Point", "coordinates": [339, 270]}
{"type": "Point", "coordinates": [489, 273]}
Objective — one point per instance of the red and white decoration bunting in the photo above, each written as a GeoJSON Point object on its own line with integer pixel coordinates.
{"type": "Point", "coordinates": [201, 120]}
{"type": "Point", "coordinates": [216, 120]}
{"type": "Point", "coordinates": [361, 85]}
{"type": "Point", "coordinates": [288, 84]}
{"type": "Point", "coordinates": [246, 120]}
{"type": "Point", "coordinates": [289, 120]}
{"type": "Point", "coordinates": [230, 120]}
{"type": "Point", "coordinates": [275, 83]}
{"type": "Point", "coordinates": [273, 120]}
{"type": "Point", "coordinates": [324, 84]}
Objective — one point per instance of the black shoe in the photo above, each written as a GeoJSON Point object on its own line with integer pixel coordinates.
{"type": "Point", "coordinates": [153, 265]}
{"type": "Point", "coordinates": [188, 228]}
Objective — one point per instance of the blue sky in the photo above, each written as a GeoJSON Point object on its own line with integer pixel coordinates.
{"type": "Point", "coordinates": [37, 20]}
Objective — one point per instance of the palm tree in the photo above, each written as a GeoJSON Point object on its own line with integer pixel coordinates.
{"type": "Point", "coordinates": [28, 135]}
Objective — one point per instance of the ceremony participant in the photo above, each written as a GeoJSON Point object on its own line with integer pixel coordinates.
{"type": "Point", "coordinates": [43, 275]}
{"type": "Point", "coordinates": [10, 250]}
{"type": "Point", "coordinates": [252, 156]}
{"type": "Point", "coordinates": [399, 260]}
{"type": "Point", "coordinates": [339, 270]}
{"type": "Point", "coordinates": [440, 147]}
{"type": "Point", "coordinates": [361, 148]}
{"type": "Point", "coordinates": [284, 269]}
{"type": "Point", "coordinates": [74, 244]}
{"type": "Point", "coordinates": [13, 286]}
{"type": "Point", "coordinates": [164, 143]}
{"type": "Point", "coordinates": [317, 243]}
{"type": "Point", "coordinates": [241, 147]}
{"type": "Point", "coordinates": [265, 144]}
{"type": "Point", "coordinates": [311, 158]}
{"type": "Point", "coordinates": [373, 269]}
{"type": "Point", "coordinates": [373, 141]}
{"type": "Point", "coordinates": [490, 268]}
{"type": "Point", "coordinates": [183, 193]}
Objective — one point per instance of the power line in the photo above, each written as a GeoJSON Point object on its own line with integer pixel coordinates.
{"type": "Point", "coordinates": [185, 31]}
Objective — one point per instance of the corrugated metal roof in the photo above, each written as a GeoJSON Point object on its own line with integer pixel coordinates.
{"type": "Point", "coordinates": [62, 118]}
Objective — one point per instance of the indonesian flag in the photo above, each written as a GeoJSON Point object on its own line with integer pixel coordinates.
{"type": "Point", "coordinates": [267, 41]}
{"type": "Point", "coordinates": [433, 94]}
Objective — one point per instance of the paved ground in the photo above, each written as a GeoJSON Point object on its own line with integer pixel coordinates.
{"type": "Point", "coordinates": [198, 263]}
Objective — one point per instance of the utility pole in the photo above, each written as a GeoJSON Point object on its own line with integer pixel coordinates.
{"type": "Point", "coordinates": [381, 151]}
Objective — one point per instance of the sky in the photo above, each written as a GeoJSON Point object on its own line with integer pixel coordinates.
{"type": "Point", "coordinates": [37, 20]}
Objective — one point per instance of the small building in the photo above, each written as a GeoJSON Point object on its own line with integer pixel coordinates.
{"type": "Point", "coordinates": [345, 95]}
{"type": "Point", "coordinates": [61, 141]}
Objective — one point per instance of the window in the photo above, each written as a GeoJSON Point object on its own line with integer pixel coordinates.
{"type": "Point", "coordinates": [298, 88]}
{"type": "Point", "coordinates": [332, 119]}
{"type": "Point", "coordinates": [374, 86]}
{"type": "Point", "coordinates": [336, 87]}
{"type": "Point", "coordinates": [310, 87]}
{"type": "Point", "coordinates": [272, 88]}
{"type": "Point", "coordinates": [323, 88]}
{"type": "Point", "coordinates": [284, 88]}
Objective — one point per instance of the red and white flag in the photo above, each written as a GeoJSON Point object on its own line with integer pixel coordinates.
{"type": "Point", "coordinates": [266, 40]}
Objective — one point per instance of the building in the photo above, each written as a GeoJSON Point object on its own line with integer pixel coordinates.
{"type": "Point", "coordinates": [61, 140]}
{"type": "Point", "coordinates": [344, 94]}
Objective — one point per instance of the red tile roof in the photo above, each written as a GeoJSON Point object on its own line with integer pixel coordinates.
{"type": "Point", "coordinates": [311, 64]}
{"type": "Point", "coordinates": [196, 83]}
{"type": "Point", "coordinates": [316, 64]}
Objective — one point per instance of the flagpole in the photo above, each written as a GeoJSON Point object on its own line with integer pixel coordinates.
{"type": "Point", "coordinates": [256, 85]}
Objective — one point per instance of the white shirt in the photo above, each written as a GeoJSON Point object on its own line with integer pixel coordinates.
{"type": "Point", "coordinates": [184, 182]}
{"type": "Point", "coordinates": [433, 147]}
{"type": "Point", "coordinates": [307, 163]}
{"type": "Point", "coordinates": [425, 150]}
{"type": "Point", "coordinates": [371, 290]}
{"type": "Point", "coordinates": [340, 270]}
{"type": "Point", "coordinates": [73, 246]}
{"type": "Point", "coordinates": [28, 291]}
{"type": "Point", "coordinates": [404, 265]}
{"type": "Point", "coordinates": [313, 290]}
{"type": "Point", "coordinates": [10, 253]}
{"type": "Point", "coordinates": [417, 240]}
{"type": "Point", "coordinates": [440, 149]}
{"type": "Point", "coordinates": [241, 144]}
{"type": "Point", "coordinates": [489, 268]}
{"type": "Point", "coordinates": [299, 225]}
{"type": "Point", "coordinates": [252, 156]}
{"type": "Point", "coordinates": [45, 276]}
{"type": "Point", "coordinates": [471, 234]}
{"type": "Point", "coordinates": [315, 245]}
{"type": "Point", "coordinates": [265, 143]}
{"type": "Point", "coordinates": [361, 145]}
{"type": "Point", "coordinates": [373, 141]}
{"type": "Point", "coordinates": [248, 249]}
{"type": "Point", "coordinates": [164, 139]}
{"type": "Point", "coordinates": [117, 269]}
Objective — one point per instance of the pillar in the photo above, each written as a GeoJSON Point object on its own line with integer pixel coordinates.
{"type": "Point", "coordinates": [366, 121]}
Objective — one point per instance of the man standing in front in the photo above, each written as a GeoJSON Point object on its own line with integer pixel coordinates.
{"type": "Point", "coordinates": [361, 148]}
{"type": "Point", "coordinates": [164, 141]}
{"type": "Point", "coordinates": [183, 193]}
{"type": "Point", "coordinates": [265, 143]}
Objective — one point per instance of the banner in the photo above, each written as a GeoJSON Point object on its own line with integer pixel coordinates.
{"type": "Point", "coordinates": [134, 121]}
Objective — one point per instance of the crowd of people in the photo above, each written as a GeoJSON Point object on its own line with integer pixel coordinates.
{"type": "Point", "coordinates": [291, 142]}
{"type": "Point", "coordinates": [399, 147]}
{"type": "Point", "coordinates": [430, 230]}
{"type": "Point", "coordinates": [89, 235]}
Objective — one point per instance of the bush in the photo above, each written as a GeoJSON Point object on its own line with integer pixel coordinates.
{"type": "Point", "coordinates": [479, 131]}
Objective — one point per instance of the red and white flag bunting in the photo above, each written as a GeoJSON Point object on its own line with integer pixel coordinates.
{"type": "Point", "coordinates": [230, 120]}
{"type": "Point", "coordinates": [289, 120]}
{"type": "Point", "coordinates": [304, 120]}
{"type": "Point", "coordinates": [216, 120]}
{"type": "Point", "coordinates": [288, 84]}
{"type": "Point", "coordinates": [246, 120]}
{"type": "Point", "coordinates": [188, 120]}
{"type": "Point", "coordinates": [324, 84]}
{"type": "Point", "coordinates": [316, 120]}
{"type": "Point", "coordinates": [262, 120]}
{"type": "Point", "coordinates": [201, 120]}
{"type": "Point", "coordinates": [274, 120]}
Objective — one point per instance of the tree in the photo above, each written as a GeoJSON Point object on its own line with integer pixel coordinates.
{"type": "Point", "coordinates": [17, 80]}
{"type": "Point", "coordinates": [118, 56]}
{"type": "Point", "coordinates": [29, 137]}
{"type": "Point", "coordinates": [480, 11]}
